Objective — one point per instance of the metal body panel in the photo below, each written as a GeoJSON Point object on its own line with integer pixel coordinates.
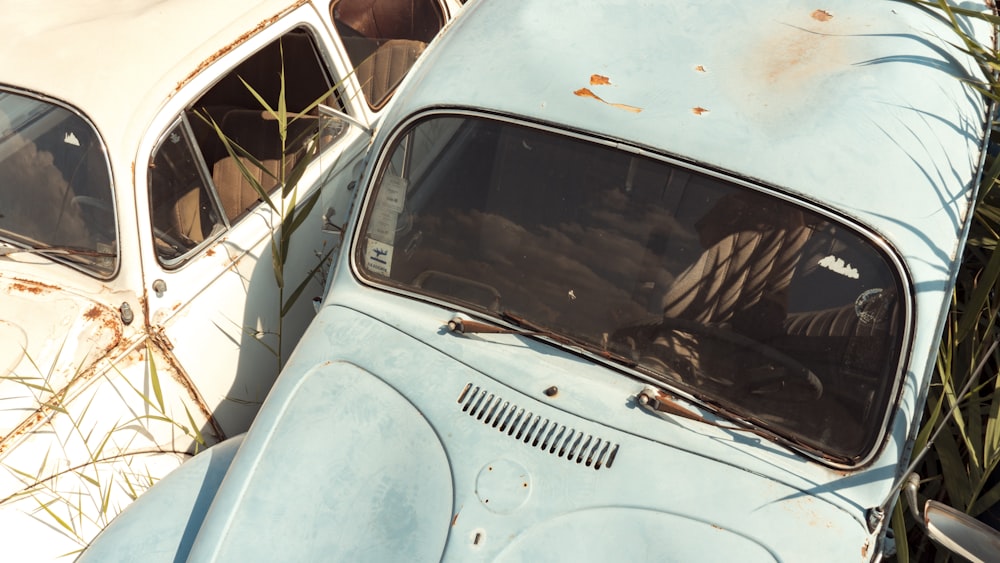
{"type": "Point", "coordinates": [186, 494]}
{"type": "Point", "coordinates": [509, 494]}
{"type": "Point", "coordinates": [400, 509]}
{"type": "Point", "coordinates": [48, 335]}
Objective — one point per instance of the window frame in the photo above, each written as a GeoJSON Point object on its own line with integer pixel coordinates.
{"type": "Point", "coordinates": [102, 146]}
{"type": "Point", "coordinates": [324, 62]}
{"type": "Point", "coordinates": [891, 393]}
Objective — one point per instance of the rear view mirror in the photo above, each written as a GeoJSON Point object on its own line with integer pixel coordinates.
{"type": "Point", "coordinates": [961, 533]}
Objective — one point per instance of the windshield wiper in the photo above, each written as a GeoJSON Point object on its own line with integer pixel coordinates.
{"type": "Point", "coordinates": [525, 328]}
{"type": "Point", "coordinates": [658, 401]}
{"type": "Point", "coordinates": [652, 398]}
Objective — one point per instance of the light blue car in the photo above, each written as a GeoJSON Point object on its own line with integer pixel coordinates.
{"type": "Point", "coordinates": [657, 281]}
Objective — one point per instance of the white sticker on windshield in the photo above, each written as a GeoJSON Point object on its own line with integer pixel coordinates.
{"type": "Point", "coordinates": [378, 257]}
{"type": "Point", "coordinates": [392, 193]}
{"type": "Point", "coordinates": [838, 266]}
{"type": "Point", "coordinates": [383, 225]}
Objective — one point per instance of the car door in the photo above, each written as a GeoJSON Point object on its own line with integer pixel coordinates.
{"type": "Point", "coordinates": [228, 272]}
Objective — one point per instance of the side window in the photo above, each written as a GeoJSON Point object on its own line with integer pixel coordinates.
{"type": "Point", "coordinates": [383, 38]}
{"type": "Point", "coordinates": [226, 151]}
{"type": "Point", "coordinates": [184, 213]}
{"type": "Point", "coordinates": [55, 185]}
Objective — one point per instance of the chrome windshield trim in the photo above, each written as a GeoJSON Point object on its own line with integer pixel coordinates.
{"type": "Point", "coordinates": [870, 235]}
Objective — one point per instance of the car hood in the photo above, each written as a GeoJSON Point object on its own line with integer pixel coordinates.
{"type": "Point", "coordinates": [395, 450]}
{"type": "Point", "coordinates": [48, 336]}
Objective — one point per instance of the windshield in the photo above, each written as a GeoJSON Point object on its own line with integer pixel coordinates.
{"type": "Point", "coordinates": [755, 305]}
{"type": "Point", "coordinates": [55, 188]}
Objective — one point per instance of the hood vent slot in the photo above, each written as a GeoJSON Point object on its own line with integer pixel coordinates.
{"type": "Point", "coordinates": [542, 433]}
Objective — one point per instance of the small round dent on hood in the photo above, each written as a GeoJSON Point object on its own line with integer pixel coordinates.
{"type": "Point", "coordinates": [503, 486]}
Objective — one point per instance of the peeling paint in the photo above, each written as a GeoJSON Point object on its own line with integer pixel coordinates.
{"type": "Point", "coordinates": [52, 405]}
{"type": "Point", "coordinates": [822, 15]}
{"type": "Point", "coordinates": [586, 93]}
{"type": "Point", "coordinates": [599, 80]}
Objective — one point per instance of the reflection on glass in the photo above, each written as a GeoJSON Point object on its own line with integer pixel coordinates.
{"type": "Point", "coordinates": [55, 188]}
{"type": "Point", "coordinates": [752, 303]}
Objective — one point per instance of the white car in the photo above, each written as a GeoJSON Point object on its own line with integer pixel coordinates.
{"type": "Point", "coordinates": [140, 307]}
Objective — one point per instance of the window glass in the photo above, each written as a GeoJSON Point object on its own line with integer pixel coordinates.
{"type": "Point", "coordinates": [55, 185]}
{"type": "Point", "coordinates": [383, 38]}
{"type": "Point", "coordinates": [233, 152]}
{"type": "Point", "coordinates": [787, 317]}
{"type": "Point", "coordinates": [184, 212]}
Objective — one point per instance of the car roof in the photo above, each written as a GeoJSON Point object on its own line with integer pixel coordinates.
{"type": "Point", "coordinates": [855, 106]}
{"type": "Point", "coordinates": [119, 61]}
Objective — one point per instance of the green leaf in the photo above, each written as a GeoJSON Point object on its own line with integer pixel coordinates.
{"type": "Point", "coordinates": [980, 296]}
{"type": "Point", "coordinates": [88, 479]}
{"type": "Point", "coordinates": [154, 380]}
{"type": "Point", "coordinates": [260, 99]}
{"type": "Point", "coordinates": [277, 262]}
{"type": "Point", "coordinates": [105, 500]}
{"type": "Point", "coordinates": [60, 521]}
{"type": "Point", "coordinates": [304, 209]}
{"type": "Point", "coordinates": [899, 532]}
{"type": "Point", "coordinates": [305, 282]}
{"type": "Point", "coordinates": [297, 171]}
{"type": "Point", "coordinates": [194, 428]}
{"type": "Point", "coordinates": [986, 500]}
{"type": "Point", "coordinates": [991, 434]}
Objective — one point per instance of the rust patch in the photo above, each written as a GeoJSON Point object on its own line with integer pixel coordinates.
{"type": "Point", "coordinates": [864, 550]}
{"type": "Point", "coordinates": [599, 80]}
{"type": "Point", "coordinates": [93, 314]}
{"type": "Point", "coordinates": [34, 287]}
{"type": "Point", "coordinates": [586, 93]}
{"type": "Point", "coordinates": [23, 288]}
{"type": "Point", "coordinates": [699, 110]}
{"type": "Point", "coordinates": [210, 252]}
{"type": "Point", "coordinates": [822, 16]}
{"type": "Point", "coordinates": [700, 68]}
{"type": "Point", "coordinates": [237, 42]}
{"type": "Point", "coordinates": [792, 63]}
{"type": "Point", "coordinates": [454, 520]}
{"type": "Point", "coordinates": [118, 348]}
